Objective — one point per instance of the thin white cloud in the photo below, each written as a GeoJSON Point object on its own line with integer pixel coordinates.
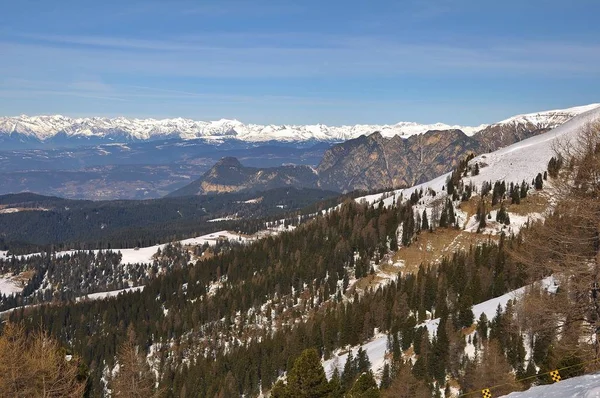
{"type": "Point", "coordinates": [335, 57]}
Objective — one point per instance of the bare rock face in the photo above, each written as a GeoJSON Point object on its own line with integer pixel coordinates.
{"type": "Point", "coordinates": [500, 135]}
{"type": "Point", "coordinates": [229, 175]}
{"type": "Point", "coordinates": [374, 162]}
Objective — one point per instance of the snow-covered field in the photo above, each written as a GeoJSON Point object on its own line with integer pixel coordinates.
{"type": "Point", "coordinates": [9, 286]}
{"type": "Point", "coordinates": [146, 254]}
{"type": "Point", "coordinates": [112, 293]}
{"type": "Point", "coordinates": [587, 386]}
{"type": "Point", "coordinates": [375, 350]}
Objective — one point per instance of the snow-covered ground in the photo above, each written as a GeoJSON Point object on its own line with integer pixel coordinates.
{"type": "Point", "coordinates": [375, 350]}
{"type": "Point", "coordinates": [9, 286]}
{"type": "Point", "coordinates": [587, 386]}
{"type": "Point", "coordinates": [146, 254]}
{"type": "Point", "coordinates": [525, 159]}
{"type": "Point", "coordinates": [228, 218]}
{"type": "Point", "coordinates": [112, 293]}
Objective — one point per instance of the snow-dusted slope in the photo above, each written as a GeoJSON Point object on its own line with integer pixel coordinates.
{"type": "Point", "coordinates": [524, 160]}
{"type": "Point", "coordinates": [515, 163]}
{"type": "Point", "coordinates": [377, 347]}
{"type": "Point", "coordinates": [587, 386]}
{"type": "Point", "coordinates": [548, 119]}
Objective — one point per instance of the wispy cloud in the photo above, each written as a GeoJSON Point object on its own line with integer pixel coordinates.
{"type": "Point", "coordinates": [361, 56]}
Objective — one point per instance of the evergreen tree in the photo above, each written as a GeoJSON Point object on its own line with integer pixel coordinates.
{"type": "Point", "coordinates": [364, 387]}
{"type": "Point", "coordinates": [539, 182]}
{"type": "Point", "coordinates": [307, 378]}
{"type": "Point", "coordinates": [424, 221]}
{"type": "Point", "coordinates": [335, 385]}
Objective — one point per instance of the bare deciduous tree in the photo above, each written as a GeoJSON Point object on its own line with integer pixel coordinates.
{"type": "Point", "coordinates": [36, 366]}
{"type": "Point", "coordinates": [567, 245]}
{"type": "Point", "coordinates": [134, 378]}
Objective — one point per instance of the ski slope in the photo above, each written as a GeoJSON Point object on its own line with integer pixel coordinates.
{"type": "Point", "coordinates": [587, 386]}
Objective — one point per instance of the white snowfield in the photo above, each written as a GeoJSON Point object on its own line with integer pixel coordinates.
{"type": "Point", "coordinates": [146, 254]}
{"type": "Point", "coordinates": [586, 386]}
{"type": "Point", "coordinates": [9, 286]}
{"type": "Point", "coordinates": [525, 159]}
{"type": "Point", "coordinates": [45, 127]}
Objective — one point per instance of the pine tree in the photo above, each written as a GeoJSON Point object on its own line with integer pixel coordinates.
{"type": "Point", "coordinates": [364, 387]}
{"type": "Point", "coordinates": [424, 221]}
{"type": "Point", "coordinates": [307, 378]}
{"type": "Point", "coordinates": [539, 182]}
{"type": "Point", "coordinates": [335, 385]}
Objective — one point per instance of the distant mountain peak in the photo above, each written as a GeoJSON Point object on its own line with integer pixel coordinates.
{"type": "Point", "coordinates": [229, 161]}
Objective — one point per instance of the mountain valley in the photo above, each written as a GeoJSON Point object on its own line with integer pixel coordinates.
{"type": "Point", "coordinates": [407, 286]}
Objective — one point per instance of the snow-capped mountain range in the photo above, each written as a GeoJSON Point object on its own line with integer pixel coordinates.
{"type": "Point", "coordinates": [47, 128]}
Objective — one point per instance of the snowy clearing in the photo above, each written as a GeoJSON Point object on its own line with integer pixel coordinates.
{"type": "Point", "coordinates": [112, 293]}
{"type": "Point", "coordinates": [9, 286]}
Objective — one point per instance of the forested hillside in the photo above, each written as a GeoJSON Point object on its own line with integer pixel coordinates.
{"type": "Point", "coordinates": [41, 220]}
{"type": "Point", "coordinates": [260, 317]}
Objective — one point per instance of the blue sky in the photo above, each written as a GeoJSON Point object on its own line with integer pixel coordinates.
{"type": "Point", "coordinates": [334, 62]}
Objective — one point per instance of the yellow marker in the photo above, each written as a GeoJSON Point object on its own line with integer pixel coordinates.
{"type": "Point", "coordinates": [555, 376]}
{"type": "Point", "coordinates": [486, 393]}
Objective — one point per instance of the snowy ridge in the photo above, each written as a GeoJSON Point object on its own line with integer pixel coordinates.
{"type": "Point", "coordinates": [548, 119]}
{"type": "Point", "coordinates": [46, 127]}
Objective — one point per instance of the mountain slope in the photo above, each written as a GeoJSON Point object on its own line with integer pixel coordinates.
{"type": "Point", "coordinates": [515, 163]}
{"type": "Point", "coordinates": [375, 162]}
{"type": "Point", "coordinates": [520, 127]}
{"type": "Point", "coordinates": [587, 386]}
